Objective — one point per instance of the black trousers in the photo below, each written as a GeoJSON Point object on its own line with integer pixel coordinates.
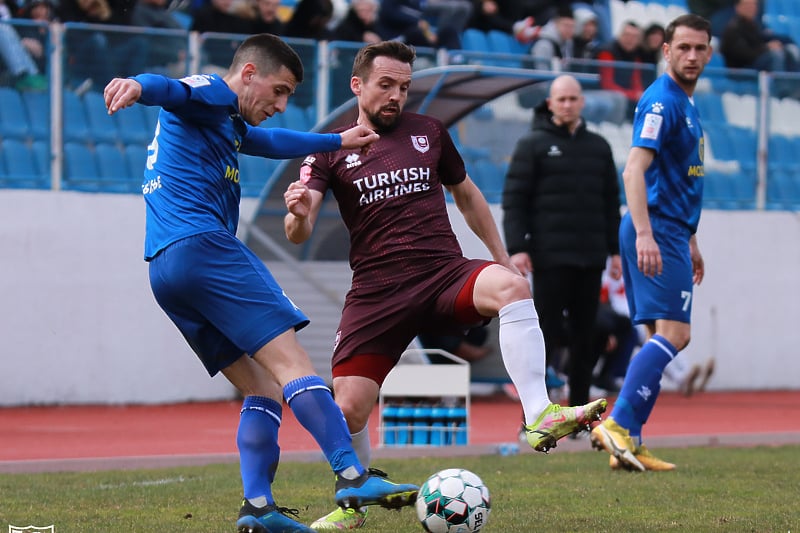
{"type": "Point", "coordinates": [566, 299]}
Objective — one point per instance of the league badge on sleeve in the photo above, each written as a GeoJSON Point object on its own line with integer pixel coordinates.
{"type": "Point", "coordinates": [197, 80]}
{"type": "Point", "coordinates": [652, 126]}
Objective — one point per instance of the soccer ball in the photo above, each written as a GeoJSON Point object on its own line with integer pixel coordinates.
{"type": "Point", "coordinates": [453, 501]}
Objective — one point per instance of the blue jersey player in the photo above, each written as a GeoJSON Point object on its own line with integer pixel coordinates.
{"type": "Point", "coordinates": [661, 260]}
{"type": "Point", "coordinates": [217, 292]}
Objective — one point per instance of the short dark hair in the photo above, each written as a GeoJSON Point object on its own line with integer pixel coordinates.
{"type": "Point", "coordinates": [690, 20]}
{"type": "Point", "coordinates": [268, 53]}
{"type": "Point", "coordinates": [362, 64]}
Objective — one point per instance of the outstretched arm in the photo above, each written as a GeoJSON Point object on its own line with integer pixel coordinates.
{"type": "Point", "coordinates": [149, 89]}
{"type": "Point", "coordinates": [282, 143]}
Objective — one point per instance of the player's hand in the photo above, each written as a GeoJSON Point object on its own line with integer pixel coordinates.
{"type": "Point", "coordinates": [698, 265]}
{"type": "Point", "coordinates": [121, 93]}
{"type": "Point", "coordinates": [298, 199]}
{"type": "Point", "coordinates": [359, 136]}
{"type": "Point", "coordinates": [522, 262]}
{"type": "Point", "coordinates": [648, 256]}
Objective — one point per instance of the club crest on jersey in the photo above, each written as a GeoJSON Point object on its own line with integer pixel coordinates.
{"type": "Point", "coordinates": [420, 143]}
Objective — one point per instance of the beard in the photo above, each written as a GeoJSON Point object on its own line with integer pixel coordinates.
{"type": "Point", "coordinates": [383, 123]}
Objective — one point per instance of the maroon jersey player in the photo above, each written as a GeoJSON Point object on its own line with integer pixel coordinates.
{"type": "Point", "coordinates": [409, 274]}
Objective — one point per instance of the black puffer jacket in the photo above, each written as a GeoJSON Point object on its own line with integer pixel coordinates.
{"type": "Point", "coordinates": [561, 196]}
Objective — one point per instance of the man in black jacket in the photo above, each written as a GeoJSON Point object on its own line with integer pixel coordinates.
{"type": "Point", "coordinates": [561, 221]}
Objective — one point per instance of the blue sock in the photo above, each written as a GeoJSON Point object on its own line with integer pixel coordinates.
{"type": "Point", "coordinates": [312, 403]}
{"type": "Point", "coordinates": [259, 452]}
{"type": "Point", "coordinates": [642, 385]}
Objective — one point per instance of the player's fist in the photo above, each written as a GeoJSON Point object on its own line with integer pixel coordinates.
{"type": "Point", "coordinates": [358, 137]}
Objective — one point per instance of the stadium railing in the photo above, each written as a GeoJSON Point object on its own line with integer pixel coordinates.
{"type": "Point", "coordinates": [63, 139]}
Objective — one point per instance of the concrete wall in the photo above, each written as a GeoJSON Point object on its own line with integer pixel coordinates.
{"type": "Point", "coordinates": [79, 324]}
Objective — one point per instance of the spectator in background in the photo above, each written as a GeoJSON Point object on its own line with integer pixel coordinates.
{"type": "Point", "coordinates": [405, 21]}
{"type": "Point", "coordinates": [555, 44]}
{"type": "Point", "coordinates": [95, 57]}
{"type": "Point", "coordinates": [471, 346]}
{"type": "Point", "coordinates": [20, 69]}
{"type": "Point", "coordinates": [360, 24]}
{"type": "Point", "coordinates": [746, 43]}
{"type": "Point", "coordinates": [587, 38]}
{"type": "Point", "coordinates": [310, 20]}
{"type": "Point", "coordinates": [36, 39]}
{"type": "Point", "coordinates": [600, 105]}
{"type": "Point", "coordinates": [451, 14]}
{"type": "Point", "coordinates": [652, 42]}
{"type": "Point", "coordinates": [561, 217]}
{"type": "Point", "coordinates": [499, 15]}
{"type": "Point", "coordinates": [219, 16]}
{"type": "Point", "coordinates": [602, 13]}
{"type": "Point", "coordinates": [627, 80]}
{"type": "Point", "coordinates": [266, 19]}
{"type": "Point", "coordinates": [167, 53]}
{"type": "Point", "coordinates": [718, 12]}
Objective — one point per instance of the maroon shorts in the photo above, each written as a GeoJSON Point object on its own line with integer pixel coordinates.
{"type": "Point", "coordinates": [380, 323]}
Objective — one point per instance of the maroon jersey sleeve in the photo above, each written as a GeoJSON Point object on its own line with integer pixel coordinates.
{"type": "Point", "coordinates": [391, 199]}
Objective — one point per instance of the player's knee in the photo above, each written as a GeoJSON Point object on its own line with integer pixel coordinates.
{"type": "Point", "coordinates": [355, 415]}
{"type": "Point", "coordinates": [682, 341]}
{"type": "Point", "coordinates": [516, 288]}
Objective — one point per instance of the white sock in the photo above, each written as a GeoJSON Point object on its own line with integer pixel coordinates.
{"type": "Point", "coordinates": [522, 348]}
{"type": "Point", "coordinates": [363, 450]}
{"type": "Point", "coordinates": [361, 446]}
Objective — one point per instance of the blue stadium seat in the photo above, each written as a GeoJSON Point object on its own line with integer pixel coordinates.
{"type": "Point", "coordinates": [719, 140]}
{"type": "Point", "coordinates": [474, 40]}
{"type": "Point", "coordinates": [781, 153]}
{"type": "Point", "coordinates": [14, 122]}
{"type": "Point", "coordinates": [134, 125]}
{"type": "Point", "coordinates": [151, 112]}
{"type": "Point", "coordinates": [503, 43]}
{"type": "Point", "coordinates": [41, 154]}
{"type": "Point", "coordinates": [136, 158]}
{"type": "Point", "coordinates": [21, 168]}
{"type": "Point", "coordinates": [295, 118]}
{"type": "Point", "coordinates": [103, 127]}
{"type": "Point", "coordinates": [745, 146]}
{"type": "Point", "coordinates": [720, 190]}
{"type": "Point", "coordinates": [254, 172]}
{"type": "Point", "coordinates": [783, 190]}
{"type": "Point", "coordinates": [80, 168]}
{"type": "Point", "coordinates": [490, 179]}
{"type": "Point", "coordinates": [110, 161]}
{"type": "Point", "coordinates": [37, 105]}
{"type": "Point", "coordinates": [709, 105]}
{"type": "Point", "coordinates": [76, 124]}
{"type": "Point", "coordinates": [114, 171]}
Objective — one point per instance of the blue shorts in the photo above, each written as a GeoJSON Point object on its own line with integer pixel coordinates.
{"type": "Point", "coordinates": [222, 298]}
{"type": "Point", "coordinates": [669, 295]}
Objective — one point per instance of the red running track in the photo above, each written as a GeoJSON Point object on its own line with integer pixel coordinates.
{"type": "Point", "coordinates": [99, 437]}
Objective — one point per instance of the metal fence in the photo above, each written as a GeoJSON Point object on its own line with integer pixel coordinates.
{"type": "Point", "coordinates": [63, 139]}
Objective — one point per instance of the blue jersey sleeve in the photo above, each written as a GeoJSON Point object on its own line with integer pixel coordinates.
{"type": "Point", "coordinates": [161, 91]}
{"type": "Point", "coordinates": [281, 143]}
{"type": "Point", "coordinates": [650, 122]}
